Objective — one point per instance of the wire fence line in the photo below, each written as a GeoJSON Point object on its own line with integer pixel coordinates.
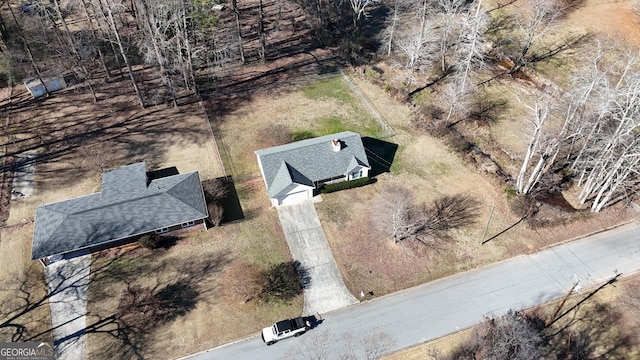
{"type": "Point", "coordinates": [369, 105]}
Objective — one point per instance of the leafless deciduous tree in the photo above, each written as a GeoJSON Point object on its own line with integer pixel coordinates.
{"type": "Point", "coordinates": [416, 42]}
{"type": "Point", "coordinates": [107, 12]}
{"type": "Point", "coordinates": [542, 147]}
{"type": "Point", "coordinates": [511, 337]}
{"type": "Point", "coordinates": [359, 9]}
{"type": "Point", "coordinates": [401, 219]}
{"type": "Point", "coordinates": [397, 215]}
{"type": "Point", "coordinates": [236, 14]}
{"type": "Point", "coordinates": [442, 35]}
{"type": "Point", "coordinates": [508, 337]}
{"type": "Point", "coordinates": [605, 151]}
{"type": "Point", "coordinates": [534, 20]}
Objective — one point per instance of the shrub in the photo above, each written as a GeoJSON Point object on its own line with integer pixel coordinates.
{"type": "Point", "coordinates": [150, 241]}
{"type": "Point", "coordinates": [457, 142]}
{"type": "Point", "coordinates": [281, 282]}
{"type": "Point", "coordinates": [215, 213]}
{"type": "Point", "coordinates": [329, 188]}
{"type": "Point", "coordinates": [523, 206]}
{"type": "Point", "coordinates": [510, 191]}
{"type": "Point", "coordinates": [214, 189]}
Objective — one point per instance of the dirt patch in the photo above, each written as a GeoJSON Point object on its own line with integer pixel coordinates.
{"type": "Point", "coordinates": [614, 18]}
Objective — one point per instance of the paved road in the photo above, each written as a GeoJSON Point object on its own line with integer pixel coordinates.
{"type": "Point", "coordinates": [444, 306]}
{"type": "Point", "coordinates": [326, 290]}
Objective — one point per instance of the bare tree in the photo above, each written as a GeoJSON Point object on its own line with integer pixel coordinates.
{"type": "Point", "coordinates": [261, 31]}
{"type": "Point", "coordinates": [534, 20]}
{"type": "Point", "coordinates": [74, 49]}
{"type": "Point", "coordinates": [29, 52]}
{"type": "Point", "coordinates": [397, 12]}
{"type": "Point", "coordinates": [416, 42]}
{"type": "Point", "coordinates": [396, 214]}
{"type": "Point", "coordinates": [449, 26]}
{"type": "Point", "coordinates": [543, 145]}
{"type": "Point", "coordinates": [401, 219]}
{"type": "Point", "coordinates": [359, 9]}
{"type": "Point", "coordinates": [606, 150]}
{"type": "Point", "coordinates": [509, 337]}
{"type": "Point", "coordinates": [236, 14]}
{"type": "Point", "coordinates": [108, 11]}
{"type": "Point", "coordinates": [457, 95]}
{"type": "Point", "coordinates": [94, 38]}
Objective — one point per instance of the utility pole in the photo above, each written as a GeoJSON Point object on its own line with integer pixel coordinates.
{"type": "Point", "coordinates": [486, 228]}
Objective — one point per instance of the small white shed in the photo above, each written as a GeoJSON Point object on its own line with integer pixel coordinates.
{"type": "Point", "coordinates": [37, 89]}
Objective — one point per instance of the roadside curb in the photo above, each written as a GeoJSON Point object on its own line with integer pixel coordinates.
{"type": "Point", "coordinates": [217, 347]}
{"type": "Point", "coordinates": [609, 228]}
{"type": "Point", "coordinates": [622, 277]}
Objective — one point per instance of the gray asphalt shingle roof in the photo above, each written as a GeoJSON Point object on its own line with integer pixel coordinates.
{"type": "Point", "coordinates": [126, 206]}
{"type": "Point", "coordinates": [307, 161]}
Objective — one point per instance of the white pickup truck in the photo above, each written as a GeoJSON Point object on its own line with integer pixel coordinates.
{"type": "Point", "coordinates": [284, 329]}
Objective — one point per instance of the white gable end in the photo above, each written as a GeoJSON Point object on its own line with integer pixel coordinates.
{"type": "Point", "coordinates": [292, 194]}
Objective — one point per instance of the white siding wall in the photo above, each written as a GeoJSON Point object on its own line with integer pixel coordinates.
{"type": "Point", "coordinates": [292, 195]}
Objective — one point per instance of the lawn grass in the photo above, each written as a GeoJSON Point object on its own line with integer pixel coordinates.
{"type": "Point", "coordinates": [331, 88]}
{"type": "Point", "coordinates": [22, 287]}
{"type": "Point", "coordinates": [76, 138]}
{"type": "Point", "coordinates": [203, 260]}
{"type": "Point", "coordinates": [371, 262]}
{"type": "Point", "coordinates": [321, 108]}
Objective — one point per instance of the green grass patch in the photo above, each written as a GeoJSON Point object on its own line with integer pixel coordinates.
{"type": "Point", "coordinates": [400, 164]}
{"type": "Point", "coordinates": [302, 135]}
{"type": "Point", "coordinates": [331, 125]}
{"type": "Point", "coordinates": [424, 97]}
{"type": "Point", "coordinates": [333, 88]}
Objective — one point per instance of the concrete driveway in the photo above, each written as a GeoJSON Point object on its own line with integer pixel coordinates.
{"type": "Point", "coordinates": [309, 246]}
{"type": "Point", "coordinates": [24, 175]}
{"type": "Point", "coordinates": [67, 283]}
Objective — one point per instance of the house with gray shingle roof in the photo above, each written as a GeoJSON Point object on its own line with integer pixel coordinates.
{"type": "Point", "coordinates": [293, 172]}
{"type": "Point", "coordinates": [129, 204]}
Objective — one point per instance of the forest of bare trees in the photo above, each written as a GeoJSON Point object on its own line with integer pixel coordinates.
{"type": "Point", "coordinates": [587, 130]}
{"type": "Point", "coordinates": [442, 47]}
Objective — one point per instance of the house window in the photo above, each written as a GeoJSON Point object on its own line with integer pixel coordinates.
{"type": "Point", "coordinates": [162, 231]}
{"type": "Point", "coordinates": [188, 223]}
{"type": "Point", "coordinates": [356, 175]}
